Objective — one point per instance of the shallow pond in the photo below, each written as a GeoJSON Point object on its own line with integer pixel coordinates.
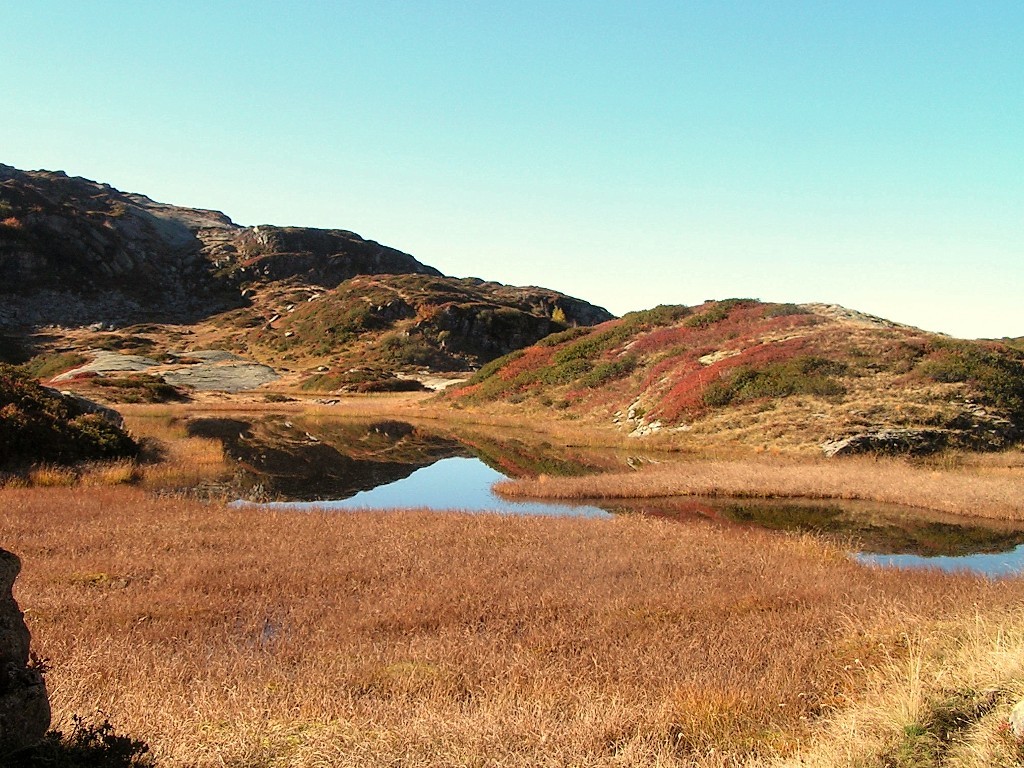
{"type": "Point", "coordinates": [458, 483]}
{"type": "Point", "coordinates": [346, 464]}
{"type": "Point", "coordinates": [992, 564]}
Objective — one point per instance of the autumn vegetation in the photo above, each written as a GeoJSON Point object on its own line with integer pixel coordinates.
{"type": "Point", "coordinates": [755, 374]}
{"type": "Point", "coordinates": [224, 636]}
{"type": "Point", "coordinates": [218, 635]}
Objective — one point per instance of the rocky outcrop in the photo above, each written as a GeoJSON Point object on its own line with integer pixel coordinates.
{"type": "Point", "coordinates": [913, 442]}
{"type": "Point", "coordinates": [323, 257]}
{"type": "Point", "coordinates": [1016, 719]}
{"type": "Point", "coordinates": [75, 252]}
{"type": "Point", "coordinates": [975, 430]}
{"type": "Point", "coordinates": [24, 705]}
{"type": "Point", "coordinates": [84, 405]}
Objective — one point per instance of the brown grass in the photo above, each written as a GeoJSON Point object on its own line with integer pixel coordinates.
{"type": "Point", "coordinates": [965, 492]}
{"type": "Point", "coordinates": [47, 476]}
{"type": "Point", "coordinates": [236, 637]}
{"type": "Point", "coordinates": [965, 674]}
{"type": "Point", "coordinates": [186, 462]}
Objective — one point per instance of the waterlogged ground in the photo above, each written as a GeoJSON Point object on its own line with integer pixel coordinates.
{"type": "Point", "coordinates": [344, 464]}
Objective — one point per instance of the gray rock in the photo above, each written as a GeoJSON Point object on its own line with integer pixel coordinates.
{"type": "Point", "coordinates": [109, 362]}
{"type": "Point", "coordinates": [24, 705]}
{"type": "Point", "coordinates": [974, 429]}
{"type": "Point", "coordinates": [226, 377]}
{"type": "Point", "coordinates": [1017, 720]}
{"type": "Point", "coordinates": [890, 441]}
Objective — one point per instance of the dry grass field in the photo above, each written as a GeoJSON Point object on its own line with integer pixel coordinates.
{"type": "Point", "coordinates": [988, 490]}
{"type": "Point", "coordinates": [231, 637]}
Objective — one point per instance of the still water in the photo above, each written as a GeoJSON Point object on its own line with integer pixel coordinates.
{"type": "Point", "coordinates": [992, 564]}
{"type": "Point", "coordinates": [341, 464]}
{"type": "Point", "coordinates": [458, 483]}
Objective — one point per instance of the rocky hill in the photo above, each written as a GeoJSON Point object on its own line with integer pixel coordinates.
{"type": "Point", "coordinates": [119, 272]}
{"type": "Point", "coordinates": [74, 252]}
{"type": "Point", "coordinates": [770, 375]}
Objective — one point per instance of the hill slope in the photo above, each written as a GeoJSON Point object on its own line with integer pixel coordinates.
{"type": "Point", "coordinates": [771, 375]}
{"type": "Point", "coordinates": [74, 252]}
{"type": "Point", "coordinates": [38, 424]}
{"type": "Point", "coordinates": [101, 269]}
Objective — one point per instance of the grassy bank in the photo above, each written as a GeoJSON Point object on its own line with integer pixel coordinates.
{"type": "Point", "coordinates": [994, 491]}
{"type": "Point", "coordinates": [231, 637]}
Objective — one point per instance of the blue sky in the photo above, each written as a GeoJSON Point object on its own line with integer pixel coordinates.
{"type": "Point", "coordinates": [869, 154]}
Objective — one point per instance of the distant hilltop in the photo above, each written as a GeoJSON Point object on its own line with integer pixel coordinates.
{"type": "Point", "coordinates": [770, 376]}
{"type": "Point", "coordinates": [73, 252]}
{"type": "Point", "coordinates": [122, 273]}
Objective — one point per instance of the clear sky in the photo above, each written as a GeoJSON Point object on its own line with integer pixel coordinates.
{"type": "Point", "coordinates": [864, 153]}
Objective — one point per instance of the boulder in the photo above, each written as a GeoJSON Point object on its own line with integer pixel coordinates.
{"type": "Point", "coordinates": [1017, 720]}
{"type": "Point", "coordinates": [914, 442]}
{"type": "Point", "coordinates": [24, 705]}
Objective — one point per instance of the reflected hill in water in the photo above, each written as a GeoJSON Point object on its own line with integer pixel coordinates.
{"type": "Point", "coordinates": [281, 459]}
{"type": "Point", "coordinates": [319, 458]}
{"type": "Point", "coordinates": [863, 526]}
{"type": "Point", "coordinates": [308, 458]}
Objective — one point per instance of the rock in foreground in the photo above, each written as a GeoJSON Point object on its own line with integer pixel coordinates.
{"type": "Point", "coordinates": [24, 706]}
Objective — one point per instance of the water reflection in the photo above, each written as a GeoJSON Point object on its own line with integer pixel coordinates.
{"type": "Point", "coordinates": [993, 564]}
{"type": "Point", "coordinates": [304, 458]}
{"type": "Point", "coordinates": [457, 483]}
{"type": "Point", "coordinates": [881, 534]}
{"type": "Point", "coordinates": [339, 463]}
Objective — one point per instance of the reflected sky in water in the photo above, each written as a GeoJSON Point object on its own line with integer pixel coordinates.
{"type": "Point", "coordinates": [462, 484]}
{"type": "Point", "coordinates": [990, 564]}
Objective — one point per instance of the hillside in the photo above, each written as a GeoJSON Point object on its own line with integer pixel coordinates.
{"type": "Point", "coordinates": [87, 269]}
{"type": "Point", "coordinates": [770, 376]}
{"type": "Point", "coordinates": [74, 252]}
{"type": "Point", "coordinates": [38, 424]}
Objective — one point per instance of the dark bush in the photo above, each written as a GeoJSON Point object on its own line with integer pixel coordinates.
{"type": "Point", "coordinates": [994, 374]}
{"type": "Point", "coordinates": [800, 376]}
{"type": "Point", "coordinates": [87, 746]}
{"type": "Point", "coordinates": [41, 425]}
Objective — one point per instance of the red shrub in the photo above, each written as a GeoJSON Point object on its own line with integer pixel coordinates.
{"type": "Point", "coordinates": [531, 360]}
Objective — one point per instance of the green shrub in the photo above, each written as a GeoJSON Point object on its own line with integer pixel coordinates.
{"type": "Point", "coordinates": [488, 370]}
{"type": "Point", "coordinates": [40, 425]}
{"type": "Point", "coordinates": [718, 312]}
{"type": "Point", "coordinates": [785, 310]}
{"type": "Point", "coordinates": [131, 343]}
{"type": "Point", "coordinates": [604, 373]}
{"type": "Point", "coordinates": [565, 371]}
{"type": "Point", "coordinates": [564, 336]}
{"type": "Point", "coordinates": [800, 376]}
{"type": "Point", "coordinates": [140, 388]}
{"type": "Point", "coordinates": [49, 365]}
{"type": "Point", "coordinates": [995, 375]}
{"type": "Point", "coordinates": [663, 314]}
{"type": "Point", "coordinates": [593, 344]}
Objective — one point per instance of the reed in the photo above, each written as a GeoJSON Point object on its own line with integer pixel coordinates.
{"type": "Point", "coordinates": [111, 473]}
{"type": "Point", "coordinates": [961, 491]}
{"type": "Point", "coordinates": [184, 462]}
{"type": "Point", "coordinates": [226, 636]}
{"type": "Point", "coordinates": [47, 476]}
